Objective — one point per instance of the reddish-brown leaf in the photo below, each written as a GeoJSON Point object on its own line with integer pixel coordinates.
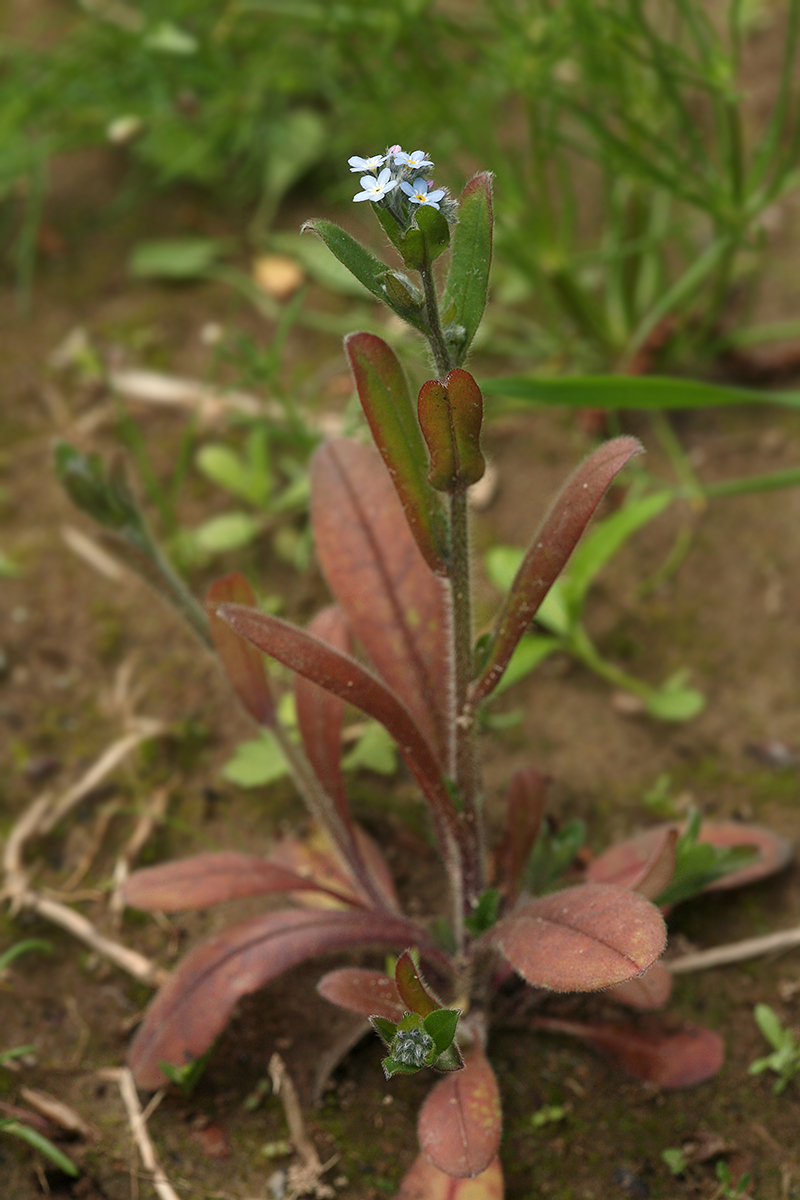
{"type": "Point", "coordinates": [526, 796]}
{"type": "Point", "coordinates": [625, 861]}
{"type": "Point", "coordinates": [315, 858]}
{"type": "Point", "coordinates": [392, 415]}
{"type": "Point", "coordinates": [424, 1181]}
{"type": "Point", "coordinates": [364, 991]}
{"type": "Point", "coordinates": [320, 714]}
{"type": "Point", "coordinates": [459, 1123]}
{"type": "Point", "coordinates": [395, 604]}
{"type": "Point", "coordinates": [411, 987]}
{"type": "Point", "coordinates": [649, 991]}
{"type": "Point", "coordinates": [549, 551]}
{"type": "Point", "coordinates": [670, 1060]}
{"type": "Point", "coordinates": [193, 1006]}
{"type": "Point", "coordinates": [208, 879]}
{"type": "Point", "coordinates": [583, 938]}
{"type": "Point", "coordinates": [345, 677]}
{"type": "Point", "coordinates": [243, 663]}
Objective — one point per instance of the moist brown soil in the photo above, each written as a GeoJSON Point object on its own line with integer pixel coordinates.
{"type": "Point", "coordinates": [728, 613]}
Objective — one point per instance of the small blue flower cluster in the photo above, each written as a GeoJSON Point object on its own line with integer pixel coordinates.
{"type": "Point", "coordinates": [412, 1047]}
{"type": "Point", "coordinates": [406, 172]}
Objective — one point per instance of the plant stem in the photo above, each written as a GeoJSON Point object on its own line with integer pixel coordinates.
{"type": "Point", "coordinates": [467, 889]}
{"type": "Point", "coordinates": [466, 769]}
{"type": "Point", "coordinates": [442, 355]}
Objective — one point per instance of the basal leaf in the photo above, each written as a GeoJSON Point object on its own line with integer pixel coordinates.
{"type": "Point", "coordinates": [648, 991]}
{"type": "Point", "coordinates": [669, 1060]}
{"type": "Point", "coordinates": [207, 879]}
{"type": "Point", "coordinates": [395, 604]}
{"type": "Point", "coordinates": [194, 1005]}
{"type": "Point", "coordinates": [460, 1121]}
{"type": "Point", "coordinates": [364, 991]}
{"type": "Point", "coordinates": [464, 296]}
{"type": "Point", "coordinates": [243, 663]}
{"type": "Point", "coordinates": [583, 938]}
{"type": "Point", "coordinates": [392, 415]}
{"type": "Point", "coordinates": [424, 1181]}
{"type": "Point", "coordinates": [549, 552]}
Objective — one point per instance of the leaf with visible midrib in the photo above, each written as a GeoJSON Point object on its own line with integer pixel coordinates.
{"type": "Point", "coordinates": [395, 604]}
{"type": "Point", "coordinates": [194, 1005]}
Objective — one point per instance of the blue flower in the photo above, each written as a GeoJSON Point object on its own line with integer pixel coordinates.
{"type": "Point", "coordinates": [376, 189]}
{"type": "Point", "coordinates": [417, 160]}
{"type": "Point", "coordinates": [366, 164]}
{"type": "Point", "coordinates": [418, 193]}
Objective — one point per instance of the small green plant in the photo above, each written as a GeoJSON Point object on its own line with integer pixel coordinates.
{"type": "Point", "coordinates": [785, 1057]}
{"type": "Point", "coordinates": [560, 618]}
{"type": "Point", "coordinates": [728, 1190]}
{"type": "Point", "coordinates": [675, 1160]}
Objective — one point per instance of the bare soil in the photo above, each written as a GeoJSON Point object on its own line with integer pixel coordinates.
{"type": "Point", "coordinates": [729, 613]}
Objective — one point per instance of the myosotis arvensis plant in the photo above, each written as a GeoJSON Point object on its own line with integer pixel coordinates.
{"type": "Point", "coordinates": [391, 531]}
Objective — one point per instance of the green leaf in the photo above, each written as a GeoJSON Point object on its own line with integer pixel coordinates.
{"type": "Point", "coordinates": [614, 392]}
{"type": "Point", "coordinates": [294, 143]}
{"type": "Point", "coordinates": [223, 466]}
{"type": "Point", "coordinates": [23, 947]}
{"type": "Point", "coordinates": [464, 296]}
{"type": "Point", "coordinates": [256, 763]}
{"type": "Point", "coordinates": [603, 541]}
{"type": "Point", "coordinates": [673, 701]}
{"type": "Point", "coordinates": [228, 531]}
{"type": "Point", "coordinates": [385, 1028]}
{"type": "Point", "coordinates": [374, 751]}
{"type": "Point", "coordinates": [531, 650]}
{"type": "Point", "coordinates": [769, 1023]}
{"type": "Point", "coordinates": [42, 1144]}
{"type": "Point", "coordinates": [366, 268]}
{"type": "Point", "coordinates": [178, 259]}
{"type": "Point", "coordinates": [441, 1025]}
{"type": "Point", "coordinates": [485, 913]}
{"type": "Point", "coordinates": [426, 240]}
{"type": "Point", "coordinates": [392, 1066]}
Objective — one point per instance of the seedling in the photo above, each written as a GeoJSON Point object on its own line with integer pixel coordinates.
{"type": "Point", "coordinates": [785, 1057]}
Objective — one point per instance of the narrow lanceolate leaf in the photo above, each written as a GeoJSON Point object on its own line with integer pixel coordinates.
{"type": "Point", "coordinates": [450, 416]}
{"type": "Point", "coordinates": [364, 266]}
{"type": "Point", "coordinates": [320, 714]}
{"type": "Point", "coordinates": [314, 857]}
{"type": "Point", "coordinates": [424, 1181]}
{"type": "Point", "coordinates": [208, 879]}
{"type": "Point", "coordinates": [392, 415]}
{"type": "Point", "coordinates": [412, 988]}
{"type": "Point", "coordinates": [194, 1005]}
{"type": "Point", "coordinates": [364, 991]}
{"type": "Point", "coordinates": [342, 675]}
{"type": "Point", "coordinates": [583, 938]}
{"type": "Point", "coordinates": [548, 554]}
{"type": "Point", "coordinates": [395, 604]}
{"type": "Point", "coordinates": [669, 1060]}
{"type": "Point", "coordinates": [460, 1121]}
{"type": "Point", "coordinates": [464, 296]}
{"type": "Point", "coordinates": [526, 797]}
{"type": "Point", "coordinates": [243, 663]}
